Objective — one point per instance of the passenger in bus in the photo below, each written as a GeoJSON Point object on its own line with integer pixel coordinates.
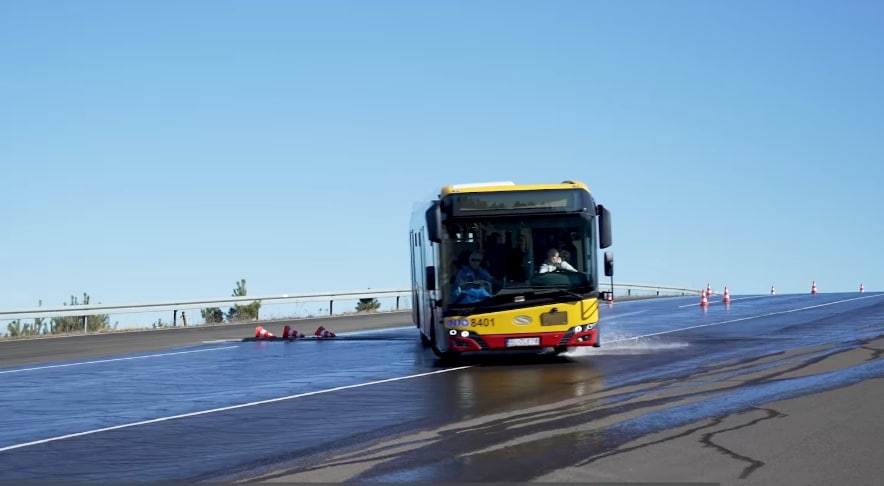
{"type": "Point", "coordinates": [554, 262]}
{"type": "Point", "coordinates": [496, 252]}
{"type": "Point", "coordinates": [519, 261]}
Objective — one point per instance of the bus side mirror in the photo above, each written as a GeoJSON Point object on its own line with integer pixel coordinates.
{"type": "Point", "coordinates": [609, 264]}
{"type": "Point", "coordinates": [434, 223]}
{"type": "Point", "coordinates": [431, 278]}
{"type": "Point", "coordinates": [604, 226]}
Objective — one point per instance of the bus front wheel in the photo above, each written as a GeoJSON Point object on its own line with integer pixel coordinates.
{"type": "Point", "coordinates": [442, 355]}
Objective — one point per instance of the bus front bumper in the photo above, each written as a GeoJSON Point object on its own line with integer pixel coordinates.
{"type": "Point", "coordinates": [482, 342]}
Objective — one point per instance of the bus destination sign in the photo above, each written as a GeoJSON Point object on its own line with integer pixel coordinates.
{"type": "Point", "coordinates": [553, 200]}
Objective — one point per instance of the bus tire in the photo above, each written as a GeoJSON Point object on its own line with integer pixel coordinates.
{"type": "Point", "coordinates": [438, 352]}
{"type": "Point", "coordinates": [560, 349]}
{"type": "Point", "coordinates": [444, 356]}
{"type": "Point", "coordinates": [441, 354]}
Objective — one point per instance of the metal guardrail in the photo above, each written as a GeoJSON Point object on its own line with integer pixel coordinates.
{"type": "Point", "coordinates": [657, 289]}
{"type": "Point", "coordinates": [93, 309]}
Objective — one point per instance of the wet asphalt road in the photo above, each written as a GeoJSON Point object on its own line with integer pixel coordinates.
{"type": "Point", "coordinates": [376, 407]}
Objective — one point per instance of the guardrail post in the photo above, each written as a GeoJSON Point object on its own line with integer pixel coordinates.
{"type": "Point", "coordinates": [175, 318]}
{"type": "Point", "coordinates": [397, 302]}
{"type": "Point", "coordinates": [331, 306]}
{"type": "Point", "coordinates": [85, 326]}
{"type": "Point", "coordinates": [184, 318]}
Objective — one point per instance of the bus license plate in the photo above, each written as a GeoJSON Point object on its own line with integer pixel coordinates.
{"type": "Point", "coordinates": [533, 341]}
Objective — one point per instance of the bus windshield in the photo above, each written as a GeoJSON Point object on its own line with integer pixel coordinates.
{"type": "Point", "coordinates": [496, 259]}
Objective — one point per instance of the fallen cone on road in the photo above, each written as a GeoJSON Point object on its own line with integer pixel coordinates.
{"type": "Point", "coordinates": [289, 333]}
{"type": "Point", "coordinates": [261, 333]}
{"type": "Point", "coordinates": [322, 332]}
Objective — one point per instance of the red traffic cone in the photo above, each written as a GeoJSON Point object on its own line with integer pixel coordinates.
{"type": "Point", "coordinates": [861, 288]}
{"type": "Point", "coordinates": [727, 296]}
{"type": "Point", "coordinates": [289, 333]}
{"type": "Point", "coordinates": [322, 332]}
{"type": "Point", "coordinates": [813, 288]}
{"type": "Point", "coordinates": [262, 333]}
{"type": "Point", "coordinates": [708, 289]}
{"type": "Point", "coordinates": [703, 301]}
{"type": "Point", "coordinates": [773, 291]}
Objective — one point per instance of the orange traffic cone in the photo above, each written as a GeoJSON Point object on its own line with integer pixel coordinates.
{"type": "Point", "coordinates": [861, 288]}
{"type": "Point", "coordinates": [708, 289]}
{"type": "Point", "coordinates": [727, 296]}
{"type": "Point", "coordinates": [703, 301]}
{"type": "Point", "coordinates": [289, 333]}
{"type": "Point", "coordinates": [773, 291]}
{"type": "Point", "coordinates": [813, 288]}
{"type": "Point", "coordinates": [322, 332]}
{"type": "Point", "coordinates": [262, 333]}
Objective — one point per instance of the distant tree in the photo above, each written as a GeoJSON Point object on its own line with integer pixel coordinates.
{"type": "Point", "coordinates": [17, 328]}
{"type": "Point", "coordinates": [40, 326]}
{"type": "Point", "coordinates": [368, 305]}
{"type": "Point", "coordinates": [14, 328]}
{"type": "Point", "coordinates": [94, 323]}
{"type": "Point", "coordinates": [243, 312]}
{"type": "Point", "coordinates": [212, 315]}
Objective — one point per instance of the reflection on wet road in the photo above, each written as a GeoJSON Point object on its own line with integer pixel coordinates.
{"type": "Point", "coordinates": [376, 407]}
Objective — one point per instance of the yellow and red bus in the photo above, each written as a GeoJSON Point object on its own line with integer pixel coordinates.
{"type": "Point", "coordinates": [503, 266]}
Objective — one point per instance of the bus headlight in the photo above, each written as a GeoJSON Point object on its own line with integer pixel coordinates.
{"type": "Point", "coordinates": [578, 328]}
{"type": "Point", "coordinates": [465, 334]}
{"type": "Point", "coordinates": [452, 332]}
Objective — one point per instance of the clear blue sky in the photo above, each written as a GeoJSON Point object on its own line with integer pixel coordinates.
{"type": "Point", "coordinates": [153, 150]}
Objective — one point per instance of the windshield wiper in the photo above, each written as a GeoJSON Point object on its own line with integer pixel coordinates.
{"type": "Point", "coordinates": [566, 291]}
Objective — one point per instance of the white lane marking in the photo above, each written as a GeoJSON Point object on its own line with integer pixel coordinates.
{"type": "Point", "coordinates": [743, 319]}
{"type": "Point", "coordinates": [36, 368]}
{"type": "Point", "coordinates": [612, 317]}
{"type": "Point", "coordinates": [224, 409]}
